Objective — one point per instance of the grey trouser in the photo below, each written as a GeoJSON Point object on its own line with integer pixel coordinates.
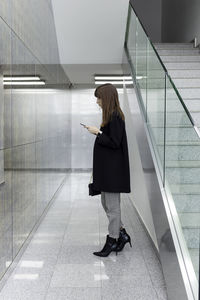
{"type": "Point", "coordinates": [111, 205]}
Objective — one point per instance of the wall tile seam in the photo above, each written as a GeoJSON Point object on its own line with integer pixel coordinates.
{"type": "Point", "coordinates": [30, 51]}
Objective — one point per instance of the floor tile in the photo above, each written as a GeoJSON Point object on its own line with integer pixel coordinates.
{"type": "Point", "coordinates": [59, 264]}
{"type": "Point", "coordinates": [76, 275]}
{"type": "Point", "coordinates": [127, 291]}
{"type": "Point", "coordinates": [74, 293]}
{"type": "Point", "coordinates": [77, 254]}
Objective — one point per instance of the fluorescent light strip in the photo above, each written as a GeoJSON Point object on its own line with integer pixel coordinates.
{"type": "Point", "coordinates": [25, 83]}
{"type": "Point", "coordinates": [114, 82]}
{"type": "Point", "coordinates": [113, 77]}
{"type": "Point", "coordinates": [141, 77]}
{"type": "Point", "coordinates": [21, 78]}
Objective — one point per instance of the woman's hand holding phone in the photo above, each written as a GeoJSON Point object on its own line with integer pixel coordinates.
{"type": "Point", "coordinates": [91, 129]}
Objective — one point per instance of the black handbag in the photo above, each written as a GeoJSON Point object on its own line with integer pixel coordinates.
{"type": "Point", "coordinates": [92, 191]}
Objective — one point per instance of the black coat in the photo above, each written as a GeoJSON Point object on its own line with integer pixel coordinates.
{"type": "Point", "coordinates": [110, 158]}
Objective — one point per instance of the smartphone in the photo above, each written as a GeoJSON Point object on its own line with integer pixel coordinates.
{"type": "Point", "coordinates": [82, 124]}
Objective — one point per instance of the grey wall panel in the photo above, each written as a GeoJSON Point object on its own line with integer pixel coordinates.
{"type": "Point", "coordinates": [84, 110]}
{"type": "Point", "coordinates": [1, 166]}
{"type": "Point", "coordinates": [35, 124]}
{"type": "Point", "coordinates": [1, 112]}
{"type": "Point", "coordinates": [180, 20]}
{"type": "Point", "coordinates": [23, 119]}
{"type": "Point", "coordinates": [33, 22]}
{"type": "Point", "coordinates": [150, 14]}
{"type": "Point", "coordinates": [1, 129]}
{"type": "Point", "coordinates": [7, 119]}
{"type": "Point", "coordinates": [5, 9]}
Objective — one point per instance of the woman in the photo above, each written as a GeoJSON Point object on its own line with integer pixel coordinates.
{"type": "Point", "coordinates": [111, 174]}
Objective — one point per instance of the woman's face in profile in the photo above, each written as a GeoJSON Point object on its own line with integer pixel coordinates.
{"type": "Point", "coordinates": [99, 102]}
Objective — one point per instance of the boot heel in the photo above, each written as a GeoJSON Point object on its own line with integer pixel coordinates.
{"type": "Point", "coordinates": [130, 244]}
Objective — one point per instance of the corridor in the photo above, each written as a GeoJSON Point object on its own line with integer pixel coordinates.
{"type": "Point", "coordinates": [58, 263]}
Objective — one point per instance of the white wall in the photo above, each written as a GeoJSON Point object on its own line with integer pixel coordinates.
{"type": "Point", "coordinates": [90, 31]}
{"type": "Point", "coordinates": [139, 194]}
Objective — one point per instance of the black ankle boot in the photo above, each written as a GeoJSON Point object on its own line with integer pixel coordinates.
{"type": "Point", "coordinates": [123, 239]}
{"type": "Point", "coordinates": [110, 245]}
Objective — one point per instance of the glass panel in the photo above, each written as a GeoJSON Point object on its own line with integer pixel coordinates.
{"type": "Point", "coordinates": [6, 245]}
{"type": "Point", "coordinates": [23, 148]}
{"type": "Point", "coordinates": [131, 42]}
{"type": "Point", "coordinates": [156, 104]}
{"type": "Point", "coordinates": [176, 143]}
{"type": "Point", "coordinates": [183, 170]}
{"type": "Point", "coordinates": [141, 62]}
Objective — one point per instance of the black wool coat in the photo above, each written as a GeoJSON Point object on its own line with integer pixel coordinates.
{"type": "Point", "coordinates": [111, 171]}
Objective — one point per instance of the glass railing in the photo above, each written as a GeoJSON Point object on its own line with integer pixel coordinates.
{"type": "Point", "coordinates": [174, 138]}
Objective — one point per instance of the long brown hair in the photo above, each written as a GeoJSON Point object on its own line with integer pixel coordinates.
{"type": "Point", "coordinates": [110, 101]}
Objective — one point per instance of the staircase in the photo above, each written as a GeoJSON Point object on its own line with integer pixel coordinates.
{"type": "Point", "coordinates": [182, 62]}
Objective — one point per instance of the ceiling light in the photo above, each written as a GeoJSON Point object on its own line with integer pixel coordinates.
{"type": "Point", "coordinates": [25, 83]}
{"type": "Point", "coordinates": [21, 78]}
{"type": "Point", "coordinates": [141, 77]}
{"type": "Point", "coordinates": [113, 77]}
{"type": "Point", "coordinates": [114, 82]}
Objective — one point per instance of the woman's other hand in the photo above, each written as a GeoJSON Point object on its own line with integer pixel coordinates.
{"type": "Point", "coordinates": [92, 129]}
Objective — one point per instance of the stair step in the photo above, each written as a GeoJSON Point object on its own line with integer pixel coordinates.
{"type": "Point", "coordinates": [180, 58]}
{"type": "Point", "coordinates": [190, 223]}
{"type": "Point", "coordinates": [196, 118]}
{"type": "Point", "coordinates": [182, 163]}
{"type": "Point", "coordinates": [176, 52]}
{"type": "Point", "coordinates": [190, 220]}
{"type": "Point", "coordinates": [179, 153]}
{"type": "Point", "coordinates": [184, 74]}
{"type": "Point", "coordinates": [178, 143]}
{"type": "Point", "coordinates": [185, 189]}
{"type": "Point", "coordinates": [191, 237]}
{"type": "Point", "coordinates": [174, 118]}
{"type": "Point", "coordinates": [182, 65]}
{"type": "Point", "coordinates": [157, 105]}
{"type": "Point", "coordinates": [187, 203]}
{"type": "Point", "coordinates": [189, 93]}
{"type": "Point", "coordinates": [173, 45]}
{"type": "Point", "coordinates": [194, 254]}
{"type": "Point", "coordinates": [183, 175]}
{"type": "Point", "coordinates": [176, 135]}
{"type": "Point", "coordinates": [192, 104]}
{"type": "Point", "coordinates": [187, 83]}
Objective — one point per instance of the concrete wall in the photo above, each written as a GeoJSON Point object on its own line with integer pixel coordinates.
{"type": "Point", "coordinates": [180, 20]}
{"type": "Point", "coordinates": [35, 125]}
{"type": "Point", "coordinates": [150, 14]}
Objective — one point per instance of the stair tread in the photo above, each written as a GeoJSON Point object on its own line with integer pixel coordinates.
{"type": "Point", "coordinates": [182, 65]}
{"type": "Point", "coordinates": [190, 220]}
{"type": "Point", "coordinates": [185, 189]}
{"type": "Point", "coordinates": [183, 163]}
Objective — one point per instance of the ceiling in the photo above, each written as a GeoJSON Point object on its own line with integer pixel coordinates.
{"type": "Point", "coordinates": [90, 36]}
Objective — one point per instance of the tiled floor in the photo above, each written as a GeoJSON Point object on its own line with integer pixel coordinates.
{"type": "Point", "coordinates": [59, 262]}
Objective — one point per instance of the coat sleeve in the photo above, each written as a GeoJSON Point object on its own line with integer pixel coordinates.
{"type": "Point", "coordinates": [113, 140]}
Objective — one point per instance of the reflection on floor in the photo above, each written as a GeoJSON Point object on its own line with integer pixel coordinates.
{"type": "Point", "coordinates": [59, 262]}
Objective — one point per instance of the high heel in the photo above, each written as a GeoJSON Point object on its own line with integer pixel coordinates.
{"type": "Point", "coordinates": [110, 245]}
{"type": "Point", "coordinates": [123, 239]}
